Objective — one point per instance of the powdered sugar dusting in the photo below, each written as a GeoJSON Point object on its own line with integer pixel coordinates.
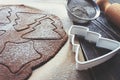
{"type": "Point", "coordinates": [45, 30]}
{"type": "Point", "coordinates": [28, 37]}
{"type": "Point", "coordinates": [2, 32]}
{"type": "Point", "coordinates": [16, 55]}
{"type": "Point", "coordinates": [47, 47]}
{"type": "Point", "coordinates": [4, 14]}
{"type": "Point", "coordinates": [24, 19]}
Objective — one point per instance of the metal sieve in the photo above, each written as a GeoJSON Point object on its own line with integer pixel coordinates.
{"type": "Point", "coordinates": [82, 11]}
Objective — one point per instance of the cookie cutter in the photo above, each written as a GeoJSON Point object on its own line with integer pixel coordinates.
{"type": "Point", "coordinates": [96, 38]}
{"type": "Point", "coordinates": [80, 19]}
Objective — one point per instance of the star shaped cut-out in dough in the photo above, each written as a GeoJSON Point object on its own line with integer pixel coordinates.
{"type": "Point", "coordinates": [24, 20]}
{"type": "Point", "coordinates": [16, 55]}
{"type": "Point", "coordinates": [12, 36]}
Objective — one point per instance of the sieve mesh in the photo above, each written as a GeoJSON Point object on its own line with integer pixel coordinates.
{"type": "Point", "coordinates": [82, 8]}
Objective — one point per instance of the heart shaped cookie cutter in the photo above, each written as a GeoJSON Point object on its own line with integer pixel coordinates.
{"type": "Point", "coordinates": [96, 38]}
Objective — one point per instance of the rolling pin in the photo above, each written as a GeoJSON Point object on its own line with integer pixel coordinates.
{"type": "Point", "coordinates": [112, 11]}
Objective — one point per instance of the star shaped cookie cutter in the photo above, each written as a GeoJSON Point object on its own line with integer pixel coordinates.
{"type": "Point", "coordinates": [96, 38]}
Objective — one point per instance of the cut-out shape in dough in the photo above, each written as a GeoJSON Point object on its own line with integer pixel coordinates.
{"type": "Point", "coordinates": [44, 30]}
{"type": "Point", "coordinates": [19, 52]}
{"type": "Point", "coordinates": [24, 19]}
{"type": "Point", "coordinates": [15, 56]}
{"type": "Point", "coordinates": [5, 16]}
{"type": "Point", "coordinates": [2, 32]}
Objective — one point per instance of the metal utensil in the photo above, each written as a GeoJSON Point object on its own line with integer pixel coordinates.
{"type": "Point", "coordinates": [82, 11]}
{"type": "Point", "coordinates": [93, 37]}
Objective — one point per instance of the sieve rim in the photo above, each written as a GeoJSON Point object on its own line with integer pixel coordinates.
{"type": "Point", "coordinates": [96, 7]}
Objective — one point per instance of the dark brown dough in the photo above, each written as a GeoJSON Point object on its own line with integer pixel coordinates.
{"type": "Point", "coordinates": [28, 39]}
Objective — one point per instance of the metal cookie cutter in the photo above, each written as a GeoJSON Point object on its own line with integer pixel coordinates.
{"type": "Point", "coordinates": [96, 38]}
